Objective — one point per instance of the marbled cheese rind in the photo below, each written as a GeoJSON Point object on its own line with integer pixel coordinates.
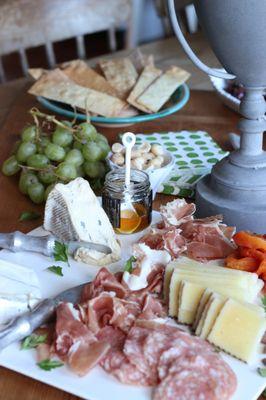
{"type": "Point", "coordinates": [73, 213]}
{"type": "Point", "coordinates": [238, 329]}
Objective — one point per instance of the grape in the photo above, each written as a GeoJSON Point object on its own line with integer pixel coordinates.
{"type": "Point", "coordinates": [48, 190]}
{"type": "Point", "coordinates": [10, 166]}
{"type": "Point", "coordinates": [94, 169]}
{"type": "Point", "coordinates": [29, 133]}
{"type": "Point", "coordinates": [91, 151]}
{"type": "Point", "coordinates": [42, 143]}
{"type": "Point", "coordinates": [47, 177]}
{"type": "Point", "coordinates": [54, 152]}
{"type": "Point", "coordinates": [26, 179]}
{"type": "Point", "coordinates": [75, 157]}
{"type": "Point", "coordinates": [86, 131]}
{"type": "Point", "coordinates": [36, 193]}
{"type": "Point", "coordinates": [77, 145]}
{"type": "Point", "coordinates": [105, 149]}
{"type": "Point", "coordinates": [66, 171]}
{"type": "Point", "coordinates": [100, 138]}
{"type": "Point", "coordinates": [25, 150]}
{"type": "Point", "coordinates": [37, 161]}
{"type": "Point", "coordinates": [61, 136]}
{"type": "Point", "coordinates": [80, 171]}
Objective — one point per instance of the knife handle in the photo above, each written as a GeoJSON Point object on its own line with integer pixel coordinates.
{"type": "Point", "coordinates": [24, 325]}
{"type": "Point", "coordinates": [18, 241]}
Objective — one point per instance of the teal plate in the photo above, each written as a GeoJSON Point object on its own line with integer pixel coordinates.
{"type": "Point", "coordinates": [178, 100]}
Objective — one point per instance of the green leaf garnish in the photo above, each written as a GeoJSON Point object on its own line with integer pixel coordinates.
{"type": "Point", "coordinates": [29, 216]}
{"type": "Point", "coordinates": [263, 300]}
{"type": "Point", "coordinates": [262, 372]}
{"type": "Point", "coordinates": [60, 252]}
{"type": "Point", "coordinates": [56, 270]}
{"type": "Point", "coordinates": [129, 264]}
{"type": "Point", "coordinates": [264, 393]}
{"type": "Point", "coordinates": [32, 341]}
{"type": "Point", "coordinates": [48, 365]}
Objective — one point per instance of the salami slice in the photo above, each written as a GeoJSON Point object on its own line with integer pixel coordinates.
{"type": "Point", "coordinates": [221, 378]}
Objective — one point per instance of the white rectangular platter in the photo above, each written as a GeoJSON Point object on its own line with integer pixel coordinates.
{"type": "Point", "coordinates": [98, 385]}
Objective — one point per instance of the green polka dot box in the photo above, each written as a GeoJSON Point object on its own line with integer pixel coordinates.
{"type": "Point", "coordinates": [194, 154]}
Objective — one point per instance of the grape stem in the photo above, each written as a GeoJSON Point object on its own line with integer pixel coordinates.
{"type": "Point", "coordinates": [36, 169]}
{"type": "Point", "coordinates": [51, 118]}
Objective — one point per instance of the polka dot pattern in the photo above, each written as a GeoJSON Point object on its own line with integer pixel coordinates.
{"type": "Point", "coordinates": [195, 153]}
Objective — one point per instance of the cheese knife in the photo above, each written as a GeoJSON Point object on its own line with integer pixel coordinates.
{"type": "Point", "coordinates": [26, 323]}
{"type": "Point", "coordinates": [18, 241]}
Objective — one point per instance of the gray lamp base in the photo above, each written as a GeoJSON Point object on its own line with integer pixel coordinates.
{"type": "Point", "coordinates": [242, 207]}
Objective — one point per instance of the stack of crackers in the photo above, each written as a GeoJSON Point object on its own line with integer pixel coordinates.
{"type": "Point", "coordinates": [116, 87]}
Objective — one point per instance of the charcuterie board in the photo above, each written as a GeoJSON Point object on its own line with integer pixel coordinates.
{"type": "Point", "coordinates": [98, 385]}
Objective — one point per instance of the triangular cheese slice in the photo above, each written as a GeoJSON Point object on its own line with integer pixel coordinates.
{"type": "Point", "coordinates": [73, 213]}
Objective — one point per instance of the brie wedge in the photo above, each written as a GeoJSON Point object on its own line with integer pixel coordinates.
{"type": "Point", "coordinates": [19, 290]}
{"type": "Point", "coordinates": [73, 213]}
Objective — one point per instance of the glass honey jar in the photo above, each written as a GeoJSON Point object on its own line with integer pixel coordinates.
{"type": "Point", "coordinates": [129, 209]}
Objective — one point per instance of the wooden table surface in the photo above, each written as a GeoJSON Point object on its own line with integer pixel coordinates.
{"type": "Point", "coordinates": [204, 111]}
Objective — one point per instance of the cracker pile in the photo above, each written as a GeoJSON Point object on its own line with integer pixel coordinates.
{"type": "Point", "coordinates": [117, 87]}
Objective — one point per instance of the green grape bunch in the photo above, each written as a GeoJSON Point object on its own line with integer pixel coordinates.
{"type": "Point", "coordinates": [65, 152]}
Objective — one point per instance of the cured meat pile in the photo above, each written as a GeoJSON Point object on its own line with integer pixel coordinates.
{"type": "Point", "coordinates": [180, 233]}
{"type": "Point", "coordinates": [119, 330]}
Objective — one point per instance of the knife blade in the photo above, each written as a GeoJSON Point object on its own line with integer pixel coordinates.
{"type": "Point", "coordinates": [26, 323]}
{"type": "Point", "coordinates": [18, 241]}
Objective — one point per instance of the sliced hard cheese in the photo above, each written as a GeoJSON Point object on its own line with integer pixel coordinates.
{"type": "Point", "coordinates": [73, 213]}
{"type": "Point", "coordinates": [239, 329]}
{"type": "Point", "coordinates": [203, 301]}
{"type": "Point", "coordinates": [209, 315]}
{"type": "Point", "coordinates": [238, 286]}
{"type": "Point", "coordinates": [189, 298]}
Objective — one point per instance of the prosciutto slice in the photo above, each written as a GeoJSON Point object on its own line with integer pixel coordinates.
{"type": "Point", "coordinates": [104, 281]}
{"type": "Point", "coordinates": [177, 212]}
{"type": "Point", "coordinates": [179, 233]}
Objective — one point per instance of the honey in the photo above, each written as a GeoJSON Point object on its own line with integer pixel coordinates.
{"type": "Point", "coordinates": [129, 210]}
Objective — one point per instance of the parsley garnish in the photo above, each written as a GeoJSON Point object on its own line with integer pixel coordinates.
{"type": "Point", "coordinates": [262, 372]}
{"type": "Point", "coordinates": [56, 270]}
{"type": "Point", "coordinates": [263, 300]}
{"type": "Point", "coordinates": [29, 216]}
{"type": "Point", "coordinates": [33, 341]}
{"type": "Point", "coordinates": [264, 393]}
{"type": "Point", "coordinates": [48, 364]}
{"type": "Point", "coordinates": [60, 252]}
{"type": "Point", "coordinates": [129, 264]}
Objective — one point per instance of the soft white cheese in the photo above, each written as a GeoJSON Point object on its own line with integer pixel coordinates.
{"type": "Point", "coordinates": [73, 213]}
{"type": "Point", "coordinates": [19, 290]}
{"type": "Point", "coordinates": [146, 259]}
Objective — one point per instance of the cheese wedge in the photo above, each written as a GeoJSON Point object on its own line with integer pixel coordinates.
{"type": "Point", "coordinates": [239, 285]}
{"type": "Point", "coordinates": [189, 298]}
{"type": "Point", "coordinates": [203, 300]}
{"type": "Point", "coordinates": [73, 213]}
{"type": "Point", "coordinates": [194, 268]}
{"type": "Point", "coordinates": [209, 315]}
{"type": "Point", "coordinates": [19, 290]}
{"type": "Point", "coordinates": [238, 329]}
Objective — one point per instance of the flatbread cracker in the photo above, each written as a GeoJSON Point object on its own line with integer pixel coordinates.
{"type": "Point", "coordinates": [147, 77]}
{"type": "Point", "coordinates": [162, 88]}
{"type": "Point", "coordinates": [141, 60]}
{"type": "Point", "coordinates": [121, 74]}
{"type": "Point", "coordinates": [55, 85]}
{"type": "Point", "coordinates": [79, 72]}
{"type": "Point", "coordinates": [36, 73]}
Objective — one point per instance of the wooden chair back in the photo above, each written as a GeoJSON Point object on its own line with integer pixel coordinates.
{"type": "Point", "coordinates": [30, 23]}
